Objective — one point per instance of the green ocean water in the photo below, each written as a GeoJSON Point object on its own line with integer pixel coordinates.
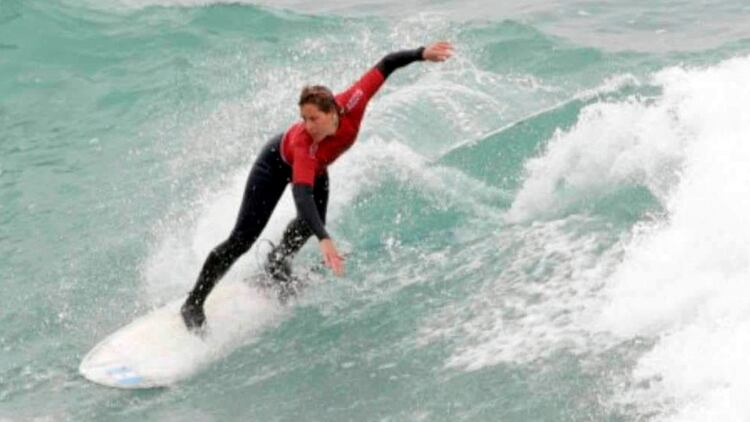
{"type": "Point", "coordinates": [527, 225]}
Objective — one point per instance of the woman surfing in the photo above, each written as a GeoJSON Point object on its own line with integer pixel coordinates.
{"type": "Point", "coordinates": [301, 155]}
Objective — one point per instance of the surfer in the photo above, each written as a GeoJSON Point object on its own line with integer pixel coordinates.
{"type": "Point", "coordinates": [301, 155]}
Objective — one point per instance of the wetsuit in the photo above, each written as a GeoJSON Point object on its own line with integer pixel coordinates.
{"type": "Point", "coordinates": [291, 157]}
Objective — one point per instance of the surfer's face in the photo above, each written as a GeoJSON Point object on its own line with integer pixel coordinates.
{"type": "Point", "coordinates": [318, 123]}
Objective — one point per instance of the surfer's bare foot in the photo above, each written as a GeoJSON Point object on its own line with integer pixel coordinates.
{"type": "Point", "coordinates": [193, 317]}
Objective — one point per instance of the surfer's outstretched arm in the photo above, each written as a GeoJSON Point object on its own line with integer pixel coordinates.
{"type": "Point", "coordinates": [435, 52]}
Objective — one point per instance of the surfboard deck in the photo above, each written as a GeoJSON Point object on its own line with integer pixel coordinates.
{"type": "Point", "coordinates": [157, 350]}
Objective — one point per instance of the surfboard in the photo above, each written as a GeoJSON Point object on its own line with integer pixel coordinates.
{"type": "Point", "coordinates": [156, 350]}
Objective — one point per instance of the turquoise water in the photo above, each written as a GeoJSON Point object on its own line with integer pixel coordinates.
{"type": "Point", "coordinates": [548, 227]}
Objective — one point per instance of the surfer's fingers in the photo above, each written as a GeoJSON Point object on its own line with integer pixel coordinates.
{"type": "Point", "coordinates": [336, 264]}
{"type": "Point", "coordinates": [438, 52]}
{"type": "Point", "coordinates": [338, 267]}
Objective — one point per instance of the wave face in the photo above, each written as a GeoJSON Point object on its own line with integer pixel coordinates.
{"type": "Point", "coordinates": [550, 226]}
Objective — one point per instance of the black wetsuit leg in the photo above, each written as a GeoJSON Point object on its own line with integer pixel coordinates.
{"type": "Point", "coordinates": [265, 185]}
{"type": "Point", "coordinates": [297, 233]}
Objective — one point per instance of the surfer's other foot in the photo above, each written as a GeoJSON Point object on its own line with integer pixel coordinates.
{"type": "Point", "coordinates": [278, 268]}
{"type": "Point", "coordinates": [193, 317]}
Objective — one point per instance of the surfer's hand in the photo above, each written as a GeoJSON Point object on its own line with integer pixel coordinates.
{"type": "Point", "coordinates": [438, 52]}
{"type": "Point", "coordinates": [331, 257]}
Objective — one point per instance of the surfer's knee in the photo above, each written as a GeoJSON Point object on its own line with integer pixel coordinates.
{"type": "Point", "coordinates": [295, 235]}
{"type": "Point", "coordinates": [298, 230]}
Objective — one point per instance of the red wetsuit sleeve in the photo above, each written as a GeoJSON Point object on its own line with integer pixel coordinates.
{"type": "Point", "coordinates": [303, 167]}
{"type": "Point", "coordinates": [355, 98]}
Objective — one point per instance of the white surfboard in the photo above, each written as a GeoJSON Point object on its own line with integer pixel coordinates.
{"type": "Point", "coordinates": [156, 350]}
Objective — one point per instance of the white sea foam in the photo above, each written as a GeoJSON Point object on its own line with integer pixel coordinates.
{"type": "Point", "coordinates": [685, 282]}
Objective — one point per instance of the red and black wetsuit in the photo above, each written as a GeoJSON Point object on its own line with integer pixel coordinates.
{"type": "Point", "coordinates": [292, 157]}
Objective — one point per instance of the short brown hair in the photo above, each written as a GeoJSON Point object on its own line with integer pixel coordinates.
{"type": "Point", "coordinates": [320, 96]}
